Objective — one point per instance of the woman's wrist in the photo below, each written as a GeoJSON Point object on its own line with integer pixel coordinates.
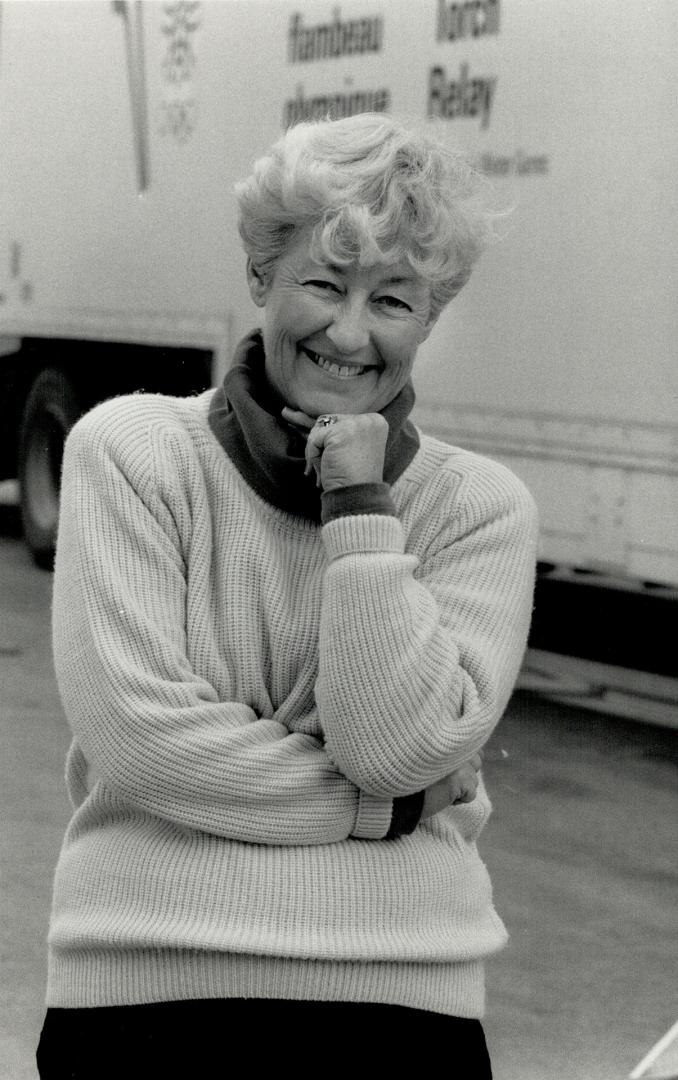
{"type": "Point", "coordinates": [368, 498]}
{"type": "Point", "coordinates": [407, 813]}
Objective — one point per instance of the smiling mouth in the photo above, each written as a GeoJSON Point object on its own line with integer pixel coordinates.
{"type": "Point", "coordinates": [342, 371]}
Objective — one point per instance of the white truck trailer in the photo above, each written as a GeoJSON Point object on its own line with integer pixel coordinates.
{"type": "Point", "coordinates": [123, 127]}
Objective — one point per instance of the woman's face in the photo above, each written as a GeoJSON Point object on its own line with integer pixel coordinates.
{"type": "Point", "coordinates": [339, 339]}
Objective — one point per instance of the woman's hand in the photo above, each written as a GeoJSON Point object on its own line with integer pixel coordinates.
{"type": "Point", "coordinates": [459, 787]}
{"type": "Point", "coordinates": [349, 451]}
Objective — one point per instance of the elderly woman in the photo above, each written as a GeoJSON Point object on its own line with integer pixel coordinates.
{"type": "Point", "coordinates": [285, 624]}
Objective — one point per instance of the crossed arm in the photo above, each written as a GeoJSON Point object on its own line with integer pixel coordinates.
{"type": "Point", "coordinates": [156, 733]}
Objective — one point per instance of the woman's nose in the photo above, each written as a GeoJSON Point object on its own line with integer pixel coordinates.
{"type": "Point", "coordinates": [349, 329]}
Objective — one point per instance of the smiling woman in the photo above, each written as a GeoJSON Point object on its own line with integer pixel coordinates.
{"type": "Point", "coordinates": [285, 623]}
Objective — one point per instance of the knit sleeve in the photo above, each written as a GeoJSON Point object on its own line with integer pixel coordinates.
{"type": "Point", "coordinates": [433, 642]}
{"type": "Point", "coordinates": [153, 731]}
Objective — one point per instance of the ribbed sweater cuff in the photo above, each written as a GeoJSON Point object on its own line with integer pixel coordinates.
{"type": "Point", "coordinates": [363, 533]}
{"type": "Point", "coordinates": [374, 817]}
{"type": "Point", "coordinates": [357, 499]}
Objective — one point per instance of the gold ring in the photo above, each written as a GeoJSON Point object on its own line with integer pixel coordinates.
{"type": "Point", "coordinates": [326, 419]}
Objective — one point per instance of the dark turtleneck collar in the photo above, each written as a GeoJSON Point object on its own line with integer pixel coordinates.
{"type": "Point", "coordinates": [268, 452]}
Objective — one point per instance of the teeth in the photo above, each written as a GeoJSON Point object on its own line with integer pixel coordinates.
{"type": "Point", "coordinates": [335, 369]}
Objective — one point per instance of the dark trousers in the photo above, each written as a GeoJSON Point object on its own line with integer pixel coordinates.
{"type": "Point", "coordinates": [198, 1040]}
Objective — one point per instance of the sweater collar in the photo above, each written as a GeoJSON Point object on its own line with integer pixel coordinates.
{"type": "Point", "coordinates": [244, 416]}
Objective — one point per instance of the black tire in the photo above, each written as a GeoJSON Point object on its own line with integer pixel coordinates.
{"type": "Point", "coordinates": [50, 411]}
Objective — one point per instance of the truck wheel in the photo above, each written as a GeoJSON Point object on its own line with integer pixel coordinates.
{"type": "Point", "coordinates": [50, 411]}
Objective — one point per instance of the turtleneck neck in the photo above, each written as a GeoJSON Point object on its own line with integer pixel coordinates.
{"type": "Point", "coordinates": [268, 452]}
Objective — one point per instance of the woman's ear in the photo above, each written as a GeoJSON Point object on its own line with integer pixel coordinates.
{"type": "Point", "coordinates": [257, 285]}
{"type": "Point", "coordinates": [428, 326]}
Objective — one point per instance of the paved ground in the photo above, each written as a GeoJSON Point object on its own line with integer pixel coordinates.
{"type": "Point", "coordinates": [33, 804]}
{"type": "Point", "coordinates": [582, 849]}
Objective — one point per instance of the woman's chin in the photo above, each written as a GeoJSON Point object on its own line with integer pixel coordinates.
{"type": "Point", "coordinates": [332, 404]}
{"type": "Point", "coordinates": [316, 401]}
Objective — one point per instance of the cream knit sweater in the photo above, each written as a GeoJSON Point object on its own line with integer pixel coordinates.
{"type": "Point", "coordinates": [248, 691]}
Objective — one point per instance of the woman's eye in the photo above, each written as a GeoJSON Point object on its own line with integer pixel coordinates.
{"type": "Point", "coordinates": [394, 302]}
{"type": "Point", "coordinates": [319, 283]}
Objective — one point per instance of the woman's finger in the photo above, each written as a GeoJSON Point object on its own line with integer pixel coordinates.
{"type": "Point", "coordinates": [298, 418]}
{"type": "Point", "coordinates": [313, 455]}
{"type": "Point", "coordinates": [315, 442]}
